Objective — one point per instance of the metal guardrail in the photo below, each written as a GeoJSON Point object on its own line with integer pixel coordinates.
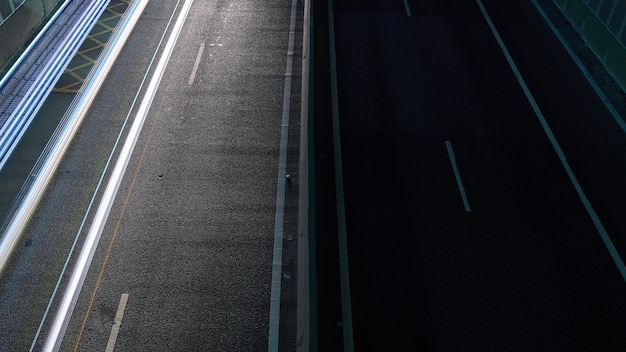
{"type": "Point", "coordinates": [27, 92]}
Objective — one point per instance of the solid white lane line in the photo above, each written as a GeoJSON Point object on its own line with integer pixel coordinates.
{"type": "Point", "coordinates": [196, 64]}
{"type": "Point", "coordinates": [277, 256]}
{"type": "Point", "coordinates": [617, 259]}
{"type": "Point", "coordinates": [115, 329]}
{"type": "Point", "coordinates": [342, 235]}
{"type": "Point", "coordinates": [61, 320]}
{"type": "Point", "coordinates": [457, 174]}
{"type": "Point", "coordinates": [407, 8]}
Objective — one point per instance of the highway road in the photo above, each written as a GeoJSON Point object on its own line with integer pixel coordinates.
{"type": "Point", "coordinates": [468, 180]}
{"type": "Point", "coordinates": [467, 187]}
{"type": "Point", "coordinates": [204, 214]}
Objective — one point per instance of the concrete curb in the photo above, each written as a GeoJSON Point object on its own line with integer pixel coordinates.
{"type": "Point", "coordinates": [305, 313]}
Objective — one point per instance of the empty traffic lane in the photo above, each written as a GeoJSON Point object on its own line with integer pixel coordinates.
{"type": "Point", "coordinates": [466, 158]}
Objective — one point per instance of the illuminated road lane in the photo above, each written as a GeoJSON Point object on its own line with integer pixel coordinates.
{"type": "Point", "coordinates": [190, 238]}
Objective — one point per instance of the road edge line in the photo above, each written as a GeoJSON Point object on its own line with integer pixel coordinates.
{"type": "Point", "coordinates": [277, 253]}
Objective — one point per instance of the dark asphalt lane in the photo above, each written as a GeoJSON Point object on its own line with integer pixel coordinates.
{"type": "Point", "coordinates": [524, 270]}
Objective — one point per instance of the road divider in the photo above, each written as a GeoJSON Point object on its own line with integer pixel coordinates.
{"type": "Point", "coordinates": [307, 289]}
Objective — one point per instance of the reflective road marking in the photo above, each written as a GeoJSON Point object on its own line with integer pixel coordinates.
{"type": "Point", "coordinates": [196, 64]}
{"type": "Point", "coordinates": [457, 174]}
{"type": "Point", "coordinates": [115, 329]}
{"type": "Point", "coordinates": [407, 8]}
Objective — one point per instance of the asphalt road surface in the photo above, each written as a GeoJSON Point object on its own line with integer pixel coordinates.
{"type": "Point", "coordinates": [189, 243]}
{"type": "Point", "coordinates": [466, 220]}
{"type": "Point", "coordinates": [465, 230]}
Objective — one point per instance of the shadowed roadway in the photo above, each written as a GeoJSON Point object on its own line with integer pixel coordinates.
{"type": "Point", "coordinates": [519, 266]}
